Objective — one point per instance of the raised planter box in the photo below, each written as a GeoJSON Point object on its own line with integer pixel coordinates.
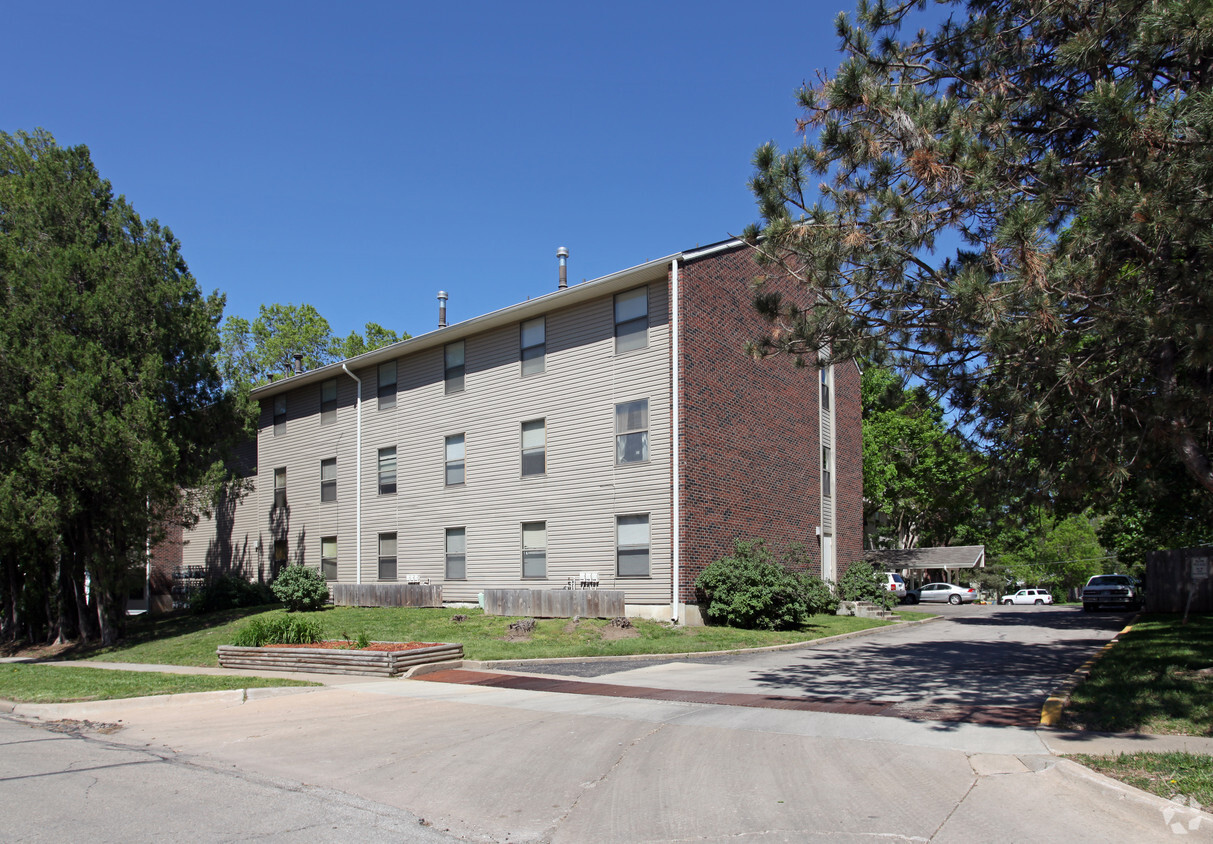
{"type": "Point", "coordinates": [555, 603]}
{"type": "Point", "coordinates": [336, 661]}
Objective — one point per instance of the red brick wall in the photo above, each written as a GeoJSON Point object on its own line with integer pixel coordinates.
{"type": "Point", "coordinates": [750, 429]}
{"type": "Point", "coordinates": [848, 465]}
{"type": "Point", "coordinates": [166, 558]}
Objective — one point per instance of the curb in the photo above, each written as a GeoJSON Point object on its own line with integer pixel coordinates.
{"type": "Point", "coordinates": [1055, 704]}
{"type": "Point", "coordinates": [101, 708]}
{"type": "Point", "coordinates": [485, 664]}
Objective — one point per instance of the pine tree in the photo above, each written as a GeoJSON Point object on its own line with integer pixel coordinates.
{"type": "Point", "coordinates": [1016, 207]}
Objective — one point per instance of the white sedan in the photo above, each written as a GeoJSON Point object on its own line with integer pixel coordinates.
{"type": "Point", "coordinates": [941, 592]}
{"type": "Point", "coordinates": [1029, 596]}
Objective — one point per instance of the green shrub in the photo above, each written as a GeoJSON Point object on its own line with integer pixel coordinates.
{"type": "Point", "coordinates": [818, 597]}
{"type": "Point", "coordinates": [862, 582]}
{"type": "Point", "coordinates": [301, 588]}
{"type": "Point", "coordinates": [751, 589]}
{"type": "Point", "coordinates": [279, 630]}
{"type": "Point", "coordinates": [229, 592]}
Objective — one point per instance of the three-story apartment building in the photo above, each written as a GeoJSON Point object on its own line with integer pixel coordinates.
{"type": "Point", "coordinates": [615, 426]}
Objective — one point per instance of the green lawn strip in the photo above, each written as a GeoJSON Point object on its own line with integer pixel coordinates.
{"type": "Point", "coordinates": [192, 640]}
{"type": "Point", "coordinates": [1165, 774]}
{"type": "Point", "coordinates": [1158, 678]}
{"type": "Point", "coordinates": [32, 683]}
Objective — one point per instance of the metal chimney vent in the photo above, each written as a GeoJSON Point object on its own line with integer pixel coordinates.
{"type": "Point", "coordinates": [563, 255]}
{"type": "Point", "coordinates": [442, 309]}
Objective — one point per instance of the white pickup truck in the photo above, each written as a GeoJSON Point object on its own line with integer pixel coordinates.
{"type": "Point", "coordinates": [1112, 590]}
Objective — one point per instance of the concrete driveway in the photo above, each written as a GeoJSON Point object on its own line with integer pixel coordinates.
{"type": "Point", "coordinates": [504, 764]}
{"type": "Point", "coordinates": [984, 664]}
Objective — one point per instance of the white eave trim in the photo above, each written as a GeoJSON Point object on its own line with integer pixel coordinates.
{"type": "Point", "coordinates": [643, 273]}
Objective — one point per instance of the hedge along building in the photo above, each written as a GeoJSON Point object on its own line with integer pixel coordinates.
{"type": "Point", "coordinates": [613, 427]}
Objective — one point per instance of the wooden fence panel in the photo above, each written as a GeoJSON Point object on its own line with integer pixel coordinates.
{"type": "Point", "coordinates": [386, 595]}
{"type": "Point", "coordinates": [1173, 578]}
{"type": "Point", "coordinates": [555, 603]}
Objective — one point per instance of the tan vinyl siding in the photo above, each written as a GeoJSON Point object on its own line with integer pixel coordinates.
{"type": "Point", "coordinates": [579, 497]}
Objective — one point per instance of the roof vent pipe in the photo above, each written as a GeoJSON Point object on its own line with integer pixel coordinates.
{"type": "Point", "coordinates": [442, 309]}
{"type": "Point", "coordinates": [563, 254]}
{"type": "Point", "coordinates": [298, 356]}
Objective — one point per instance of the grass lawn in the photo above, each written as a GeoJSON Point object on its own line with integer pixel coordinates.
{"type": "Point", "coordinates": [1157, 679]}
{"type": "Point", "coordinates": [28, 683]}
{"type": "Point", "coordinates": [1165, 774]}
{"type": "Point", "coordinates": [185, 639]}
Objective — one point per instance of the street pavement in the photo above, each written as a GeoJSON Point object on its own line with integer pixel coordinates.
{"type": "Point", "coordinates": [504, 764]}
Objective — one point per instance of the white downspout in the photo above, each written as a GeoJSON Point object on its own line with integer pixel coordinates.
{"type": "Point", "coordinates": [676, 415]}
{"type": "Point", "coordinates": [358, 465]}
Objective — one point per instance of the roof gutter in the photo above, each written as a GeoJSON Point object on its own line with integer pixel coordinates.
{"type": "Point", "coordinates": [676, 448]}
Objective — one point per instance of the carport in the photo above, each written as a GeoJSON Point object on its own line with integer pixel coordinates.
{"type": "Point", "coordinates": [929, 565]}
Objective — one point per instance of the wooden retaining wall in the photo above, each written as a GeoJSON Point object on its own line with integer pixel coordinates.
{"type": "Point", "coordinates": [385, 595]}
{"type": "Point", "coordinates": [1175, 577]}
{"type": "Point", "coordinates": [331, 661]}
{"type": "Point", "coordinates": [554, 603]}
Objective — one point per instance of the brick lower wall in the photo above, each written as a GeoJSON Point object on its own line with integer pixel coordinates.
{"type": "Point", "coordinates": [750, 429]}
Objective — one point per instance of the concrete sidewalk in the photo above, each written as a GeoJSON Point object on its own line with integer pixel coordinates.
{"type": "Point", "coordinates": [504, 764]}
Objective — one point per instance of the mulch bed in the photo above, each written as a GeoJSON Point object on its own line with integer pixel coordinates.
{"type": "Point", "coordinates": [386, 647]}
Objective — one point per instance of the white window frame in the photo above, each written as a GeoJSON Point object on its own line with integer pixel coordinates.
{"type": "Point", "coordinates": [629, 548]}
{"type": "Point", "coordinates": [328, 485]}
{"type": "Point", "coordinates": [625, 435]}
{"type": "Point", "coordinates": [455, 458]}
{"type": "Point", "coordinates": [532, 450]}
{"type": "Point", "coordinates": [456, 560]}
{"type": "Point", "coordinates": [532, 353]}
{"type": "Point", "coordinates": [328, 406]}
{"type": "Point", "coordinates": [385, 389]}
{"type": "Point", "coordinates": [454, 374]}
{"type": "Point", "coordinates": [631, 323]}
{"type": "Point", "coordinates": [534, 557]}
{"type": "Point", "coordinates": [388, 559]}
{"type": "Point", "coordinates": [379, 461]}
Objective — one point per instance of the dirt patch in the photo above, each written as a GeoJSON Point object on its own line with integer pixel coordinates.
{"type": "Point", "coordinates": [520, 631]}
{"type": "Point", "coordinates": [28, 651]}
{"type": "Point", "coordinates": [619, 628]}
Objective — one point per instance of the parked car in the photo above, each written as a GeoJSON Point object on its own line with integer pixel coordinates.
{"type": "Point", "coordinates": [1112, 590]}
{"type": "Point", "coordinates": [1029, 596]}
{"type": "Point", "coordinates": [941, 592]}
{"type": "Point", "coordinates": [896, 584]}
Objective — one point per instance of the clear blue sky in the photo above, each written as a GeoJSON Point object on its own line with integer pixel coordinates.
{"type": "Point", "coordinates": [362, 156]}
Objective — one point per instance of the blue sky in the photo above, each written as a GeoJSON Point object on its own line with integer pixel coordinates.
{"type": "Point", "coordinates": [362, 156]}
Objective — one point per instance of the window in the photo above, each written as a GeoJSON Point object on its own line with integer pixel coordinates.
{"type": "Point", "coordinates": [328, 557]}
{"type": "Point", "coordinates": [632, 320]}
{"type": "Point", "coordinates": [825, 388]}
{"type": "Point", "coordinates": [534, 447]}
{"type": "Point", "coordinates": [456, 553]}
{"type": "Point", "coordinates": [328, 402]}
{"type": "Point", "coordinates": [279, 415]}
{"type": "Point", "coordinates": [534, 549]}
{"type": "Point", "coordinates": [632, 546]}
{"type": "Point", "coordinates": [453, 355]}
{"type": "Point", "coordinates": [454, 460]}
{"type": "Point", "coordinates": [279, 556]}
{"type": "Point", "coordinates": [387, 470]}
{"type": "Point", "coordinates": [533, 345]}
{"type": "Point", "coordinates": [826, 472]}
{"type": "Point", "coordinates": [387, 556]}
{"type": "Point", "coordinates": [632, 431]}
{"type": "Point", "coordinates": [328, 479]}
{"type": "Point", "coordinates": [280, 487]}
{"type": "Point", "coordinates": [387, 385]}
